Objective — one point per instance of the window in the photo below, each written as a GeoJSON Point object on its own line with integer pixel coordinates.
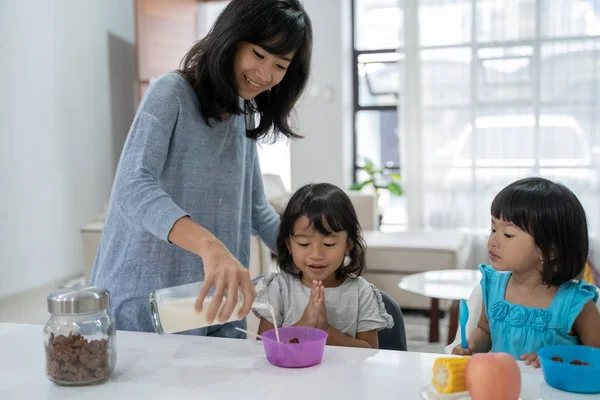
{"type": "Point", "coordinates": [508, 89]}
{"type": "Point", "coordinates": [506, 94]}
{"type": "Point", "coordinates": [377, 28]}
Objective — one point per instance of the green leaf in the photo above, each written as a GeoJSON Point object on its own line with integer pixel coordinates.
{"type": "Point", "coordinates": [395, 176]}
{"type": "Point", "coordinates": [368, 161]}
{"type": "Point", "coordinates": [370, 169]}
{"type": "Point", "coordinates": [394, 188]}
{"type": "Point", "coordinates": [360, 185]}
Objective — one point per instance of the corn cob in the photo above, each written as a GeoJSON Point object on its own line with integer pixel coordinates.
{"type": "Point", "coordinates": [449, 374]}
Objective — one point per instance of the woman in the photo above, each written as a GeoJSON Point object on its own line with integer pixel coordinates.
{"type": "Point", "coordinates": [188, 191]}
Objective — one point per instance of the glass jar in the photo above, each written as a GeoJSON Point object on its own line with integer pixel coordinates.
{"type": "Point", "coordinates": [79, 337]}
{"type": "Point", "coordinates": [172, 309]}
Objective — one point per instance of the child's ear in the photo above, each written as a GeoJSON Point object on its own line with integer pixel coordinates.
{"type": "Point", "coordinates": [349, 246]}
{"type": "Point", "coordinates": [288, 245]}
{"type": "Point", "coordinates": [553, 254]}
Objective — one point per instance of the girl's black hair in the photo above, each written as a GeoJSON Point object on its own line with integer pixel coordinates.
{"type": "Point", "coordinates": [329, 210]}
{"type": "Point", "coordinates": [278, 26]}
{"type": "Point", "coordinates": [555, 218]}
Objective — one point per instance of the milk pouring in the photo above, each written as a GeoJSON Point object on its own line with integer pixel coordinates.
{"type": "Point", "coordinates": [173, 308]}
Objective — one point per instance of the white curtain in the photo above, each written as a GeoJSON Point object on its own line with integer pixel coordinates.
{"type": "Point", "coordinates": [497, 90]}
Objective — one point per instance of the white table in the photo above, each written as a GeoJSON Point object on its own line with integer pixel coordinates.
{"type": "Point", "coordinates": [184, 367]}
{"type": "Point", "coordinates": [453, 284]}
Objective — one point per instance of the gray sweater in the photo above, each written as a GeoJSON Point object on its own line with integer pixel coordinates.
{"type": "Point", "coordinates": [173, 164]}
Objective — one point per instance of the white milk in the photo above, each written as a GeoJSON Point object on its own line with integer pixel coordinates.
{"type": "Point", "coordinates": [178, 315]}
{"type": "Point", "coordinates": [272, 312]}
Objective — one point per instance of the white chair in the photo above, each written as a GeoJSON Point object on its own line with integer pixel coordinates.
{"type": "Point", "coordinates": [365, 205]}
{"type": "Point", "coordinates": [474, 304]}
{"type": "Point", "coordinates": [275, 191]}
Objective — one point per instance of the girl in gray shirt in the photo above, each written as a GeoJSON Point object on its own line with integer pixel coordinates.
{"type": "Point", "coordinates": [321, 255]}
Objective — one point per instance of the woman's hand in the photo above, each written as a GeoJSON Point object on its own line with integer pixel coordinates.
{"type": "Point", "coordinates": [225, 273]}
{"type": "Point", "coordinates": [221, 270]}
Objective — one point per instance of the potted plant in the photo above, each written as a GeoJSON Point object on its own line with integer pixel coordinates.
{"type": "Point", "coordinates": [379, 178]}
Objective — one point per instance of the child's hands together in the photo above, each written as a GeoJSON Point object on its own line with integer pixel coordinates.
{"type": "Point", "coordinates": [315, 313]}
{"type": "Point", "coordinates": [322, 323]}
{"type": "Point", "coordinates": [531, 359]}
{"type": "Point", "coordinates": [310, 317]}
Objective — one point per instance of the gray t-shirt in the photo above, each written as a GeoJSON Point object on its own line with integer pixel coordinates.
{"type": "Point", "coordinates": [353, 307]}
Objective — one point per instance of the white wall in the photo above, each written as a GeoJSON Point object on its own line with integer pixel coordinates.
{"type": "Point", "coordinates": [64, 115]}
{"type": "Point", "coordinates": [207, 15]}
{"type": "Point", "coordinates": [324, 116]}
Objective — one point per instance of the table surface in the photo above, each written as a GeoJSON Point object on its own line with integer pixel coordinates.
{"type": "Point", "coordinates": [451, 284]}
{"type": "Point", "coordinates": [181, 367]}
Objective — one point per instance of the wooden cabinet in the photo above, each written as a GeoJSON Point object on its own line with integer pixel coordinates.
{"type": "Point", "coordinates": [165, 31]}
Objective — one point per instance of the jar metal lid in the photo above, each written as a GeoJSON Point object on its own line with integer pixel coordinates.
{"type": "Point", "coordinates": [78, 301]}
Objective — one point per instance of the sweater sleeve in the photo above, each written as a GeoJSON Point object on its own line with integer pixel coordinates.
{"type": "Point", "coordinates": [137, 192]}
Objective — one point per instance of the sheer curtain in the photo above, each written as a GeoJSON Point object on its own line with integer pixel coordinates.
{"type": "Point", "coordinates": [504, 89]}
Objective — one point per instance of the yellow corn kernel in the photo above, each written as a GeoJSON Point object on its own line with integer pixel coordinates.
{"type": "Point", "coordinates": [449, 374]}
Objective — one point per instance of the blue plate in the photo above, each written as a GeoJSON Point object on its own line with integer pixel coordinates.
{"type": "Point", "coordinates": [566, 376]}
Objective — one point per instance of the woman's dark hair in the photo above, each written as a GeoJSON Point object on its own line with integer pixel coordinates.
{"type": "Point", "coordinates": [278, 26]}
{"type": "Point", "coordinates": [329, 210]}
{"type": "Point", "coordinates": [555, 218]}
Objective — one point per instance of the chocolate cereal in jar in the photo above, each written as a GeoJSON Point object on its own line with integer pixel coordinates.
{"type": "Point", "coordinates": [79, 337]}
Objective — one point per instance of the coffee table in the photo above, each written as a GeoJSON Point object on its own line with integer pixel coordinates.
{"type": "Point", "coordinates": [453, 284]}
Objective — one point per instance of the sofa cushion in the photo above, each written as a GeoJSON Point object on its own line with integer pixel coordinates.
{"type": "Point", "coordinates": [415, 251]}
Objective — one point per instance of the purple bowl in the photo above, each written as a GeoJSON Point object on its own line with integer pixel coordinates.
{"type": "Point", "coordinates": [306, 353]}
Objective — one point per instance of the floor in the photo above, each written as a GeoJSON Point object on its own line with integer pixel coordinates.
{"type": "Point", "coordinates": [30, 308]}
{"type": "Point", "coordinates": [416, 324]}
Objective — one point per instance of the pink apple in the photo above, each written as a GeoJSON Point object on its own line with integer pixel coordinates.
{"type": "Point", "coordinates": [493, 376]}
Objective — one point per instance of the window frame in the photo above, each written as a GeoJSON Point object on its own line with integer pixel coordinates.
{"type": "Point", "coordinates": [356, 106]}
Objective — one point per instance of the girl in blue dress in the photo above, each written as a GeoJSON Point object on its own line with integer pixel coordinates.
{"type": "Point", "coordinates": [532, 292]}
